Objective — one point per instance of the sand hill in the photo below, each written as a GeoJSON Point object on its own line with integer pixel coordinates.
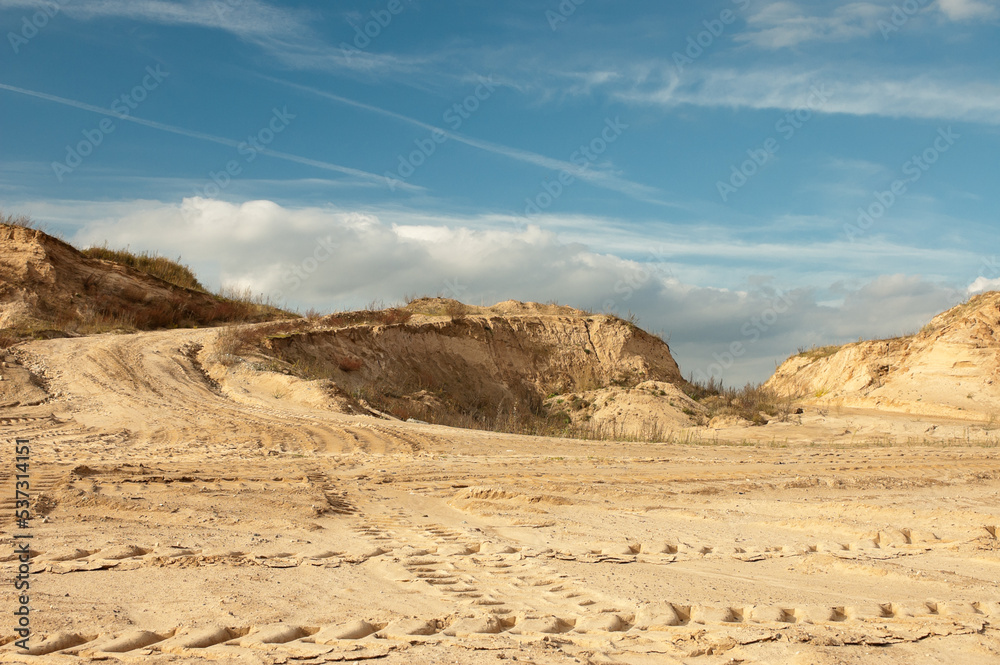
{"type": "Point", "coordinates": [46, 283]}
{"type": "Point", "coordinates": [950, 368]}
{"type": "Point", "coordinates": [512, 366]}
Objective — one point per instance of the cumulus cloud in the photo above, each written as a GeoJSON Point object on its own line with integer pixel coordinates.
{"type": "Point", "coordinates": [983, 284]}
{"type": "Point", "coordinates": [330, 258]}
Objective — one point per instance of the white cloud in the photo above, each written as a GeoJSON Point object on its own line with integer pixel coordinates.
{"type": "Point", "coordinates": [249, 19]}
{"type": "Point", "coordinates": [983, 284]}
{"type": "Point", "coordinates": [784, 24]}
{"type": "Point", "coordinates": [965, 10]}
{"type": "Point", "coordinates": [282, 32]}
{"type": "Point", "coordinates": [331, 258]}
{"type": "Point", "coordinates": [848, 91]}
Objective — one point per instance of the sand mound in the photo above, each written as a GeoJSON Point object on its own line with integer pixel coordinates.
{"type": "Point", "coordinates": [480, 363]}
{"type": "Point", "coordinates": [950, 368]}
{"type": "Point", "coordinates": [649, 411]}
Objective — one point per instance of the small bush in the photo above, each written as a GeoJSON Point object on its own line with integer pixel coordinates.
{"type": "Point", "coordinates": [455, 310]}
{"type": "Point", "coordinates": [236, 340]}
{"type": "Point", "coordinates": [752, 402]}
{"type": "Point", "coordinates": [698, 390]}
{"type": "Point", "coordinates": [395, 316]}
{"type": "Point", "coordinates": [8, 339]}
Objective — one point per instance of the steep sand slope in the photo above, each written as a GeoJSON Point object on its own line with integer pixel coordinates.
{"type": "Point", "coordinates": [950, 368]}
{"type": "Point", "coordinates": [482, 364]}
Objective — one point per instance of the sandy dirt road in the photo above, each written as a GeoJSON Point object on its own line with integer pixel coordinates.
{"type": "Point", "coordinates": [187, 524]}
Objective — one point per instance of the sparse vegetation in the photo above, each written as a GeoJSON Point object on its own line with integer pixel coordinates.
{"type": "Point", "coordinates": [818, 352]}
{"type": "Point", "coordinates": [100, 302]}
{"type": "Point", "coordinates": [698, 390]}
{"type": "Point", "coordinates": [455, 310]}
{"type": "Point", "coordinates": [19, 220]}
{"type": "Point", "coordinates": [753, 402]}
{"type": "Point", "coordinates": [155, 265]}
{"type": "Point", "coordinates": [8, 339]}
{"type": "Point", "coordinates": [130, 311]}
{"type": "Point", "coordinates": [388, 317]}
{"type": "Point", "coordinates": [237, 340]}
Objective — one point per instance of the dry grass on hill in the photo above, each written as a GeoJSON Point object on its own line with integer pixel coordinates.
{"type": "Point", "coordinates": [174, 272]}
{"type": "Point", "coordinates": [50, 288]}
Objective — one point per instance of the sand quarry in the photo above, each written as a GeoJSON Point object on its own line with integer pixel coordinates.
{"type": "Point", "coordinates": [190, 511]}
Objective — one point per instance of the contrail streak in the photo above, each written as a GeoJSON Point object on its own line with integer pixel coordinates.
{"type": "Point", "coordinates": [364, 175]}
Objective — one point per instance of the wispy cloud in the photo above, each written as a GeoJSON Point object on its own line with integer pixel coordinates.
{"type": "Point", "coordinates": [965, 10]}
{"type": "Point", "coordinates": [785, 24]}
{"type": "Point", "coordinates": [847, 91]}
{"type": "Point", "coordinates": [202, 136]}
{"type": "Point", "coordinates": [249, 19]}
{"type": "Point", "coordinates": [285, 34]}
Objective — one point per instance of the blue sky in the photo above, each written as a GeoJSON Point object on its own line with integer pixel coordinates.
{"type": "Point", "coordinates": [747, 177]}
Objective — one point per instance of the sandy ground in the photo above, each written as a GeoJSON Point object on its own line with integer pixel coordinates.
{"type": "Point", "coordinates": [185, 526]}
